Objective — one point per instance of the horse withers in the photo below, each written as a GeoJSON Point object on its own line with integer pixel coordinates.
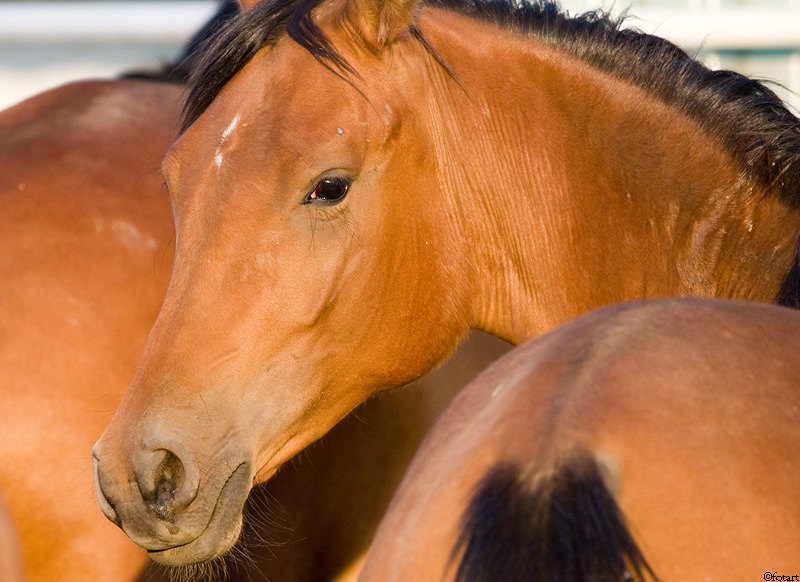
{"type": "Point", "coordinates": [359, 183]}
{"type": "Point", "coordinates": [643, 440]}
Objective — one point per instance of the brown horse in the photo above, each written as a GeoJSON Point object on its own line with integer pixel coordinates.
{"type": "Point", "coordinates": [654, 437]}
{"type": "Point", "coordinates": [360, 182]}
{"type": "Point", "coordinates": [86, 233]}
{"type": "Point", "coordinates": [85, 255]}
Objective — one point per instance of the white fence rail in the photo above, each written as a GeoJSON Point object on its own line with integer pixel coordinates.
{"type": "Point", "coordinates": [45, 43]}
{"type": "Point", "coordinates": [740, 29]}
{"type": "Point", "coordinates": [102, 22]}
{"type": "Point", "coordinates": [745, 28]}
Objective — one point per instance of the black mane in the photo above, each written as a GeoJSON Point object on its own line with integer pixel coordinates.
{"type": "Point", "coordinates": [748, 117]}
{"type": "Point", "coordinates": [757, 128]}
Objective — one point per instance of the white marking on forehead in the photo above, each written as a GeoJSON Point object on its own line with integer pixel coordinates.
{"type": "Point", "coordinates": [231, 126]}
{"type": "Point", "coordinates": [218, 155]}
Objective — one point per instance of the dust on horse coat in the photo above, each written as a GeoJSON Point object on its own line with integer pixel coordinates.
{"type": "Point", "coordinates": [680, 414]}
{"type": "Point", "coordinates": [86, 251]}
{"type": "Point", "coordinates": [359, 183]}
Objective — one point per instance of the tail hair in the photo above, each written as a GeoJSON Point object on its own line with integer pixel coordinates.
{"type": "Point", "coordinates": [560, 526]}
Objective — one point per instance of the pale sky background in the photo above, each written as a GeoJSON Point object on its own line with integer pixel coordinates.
{"type": "Point", "coordinates": [46, 43]}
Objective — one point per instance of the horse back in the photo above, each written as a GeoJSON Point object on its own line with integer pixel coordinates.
{"type": "Point", "coordinates": [648, 417]}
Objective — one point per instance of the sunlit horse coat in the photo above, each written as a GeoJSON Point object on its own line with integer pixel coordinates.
{"type": "Point", "coordinates": [358, 183]}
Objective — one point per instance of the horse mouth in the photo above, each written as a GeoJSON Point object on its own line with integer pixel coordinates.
{"type": "Point", "coordinates": [222, 530]}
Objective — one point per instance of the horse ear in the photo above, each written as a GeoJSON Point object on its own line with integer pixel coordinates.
{"type": "Point", "coordinates": [380, 22]}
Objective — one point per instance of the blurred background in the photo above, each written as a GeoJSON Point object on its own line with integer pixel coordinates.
{"type": "Point", "coordinates": [44, 43]}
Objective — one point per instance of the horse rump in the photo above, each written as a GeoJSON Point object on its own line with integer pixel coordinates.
{"type": "Point", "coordinates": [561, 524]}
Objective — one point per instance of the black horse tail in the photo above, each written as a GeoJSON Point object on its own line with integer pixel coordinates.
{"type": "Point", "coordinates": [561, 525]}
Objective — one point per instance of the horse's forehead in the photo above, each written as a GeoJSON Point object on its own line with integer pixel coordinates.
{"type": "Point", "coordinates": [249, 89]}
{"type": "Point", "coordinates": [286, 84]}
{"type": "Point", "coordinates": [285, 103]}
{"type": "Point", "coordinates": [284, 93]}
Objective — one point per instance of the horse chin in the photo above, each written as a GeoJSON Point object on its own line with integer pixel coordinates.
{"type": "Point", "coordinates": [223, 528]}
{"type": "Point", "coordinates": [207, 547]}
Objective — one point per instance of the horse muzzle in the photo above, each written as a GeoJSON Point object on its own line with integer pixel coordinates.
{"type": "Point", "coordinates": [164, 505]}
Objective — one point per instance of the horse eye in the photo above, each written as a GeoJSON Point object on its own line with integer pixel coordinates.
{"type": "Point", "coordinates": [330, 190]}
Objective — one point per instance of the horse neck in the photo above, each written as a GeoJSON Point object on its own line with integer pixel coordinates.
{"type": "Point", "coordinates": [575, 189]}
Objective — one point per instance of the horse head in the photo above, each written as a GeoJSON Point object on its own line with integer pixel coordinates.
{"type": "Point", "coordinates": [306, 235]}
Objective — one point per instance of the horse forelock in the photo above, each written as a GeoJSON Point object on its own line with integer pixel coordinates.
{"type": "Point", "coordinates": [759, 131]}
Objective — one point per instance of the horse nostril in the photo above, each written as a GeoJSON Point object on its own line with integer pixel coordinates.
{"type": "Point", "coordinates": [167, 483]}
{"type": "Point", "coordinates": [169, 478]}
